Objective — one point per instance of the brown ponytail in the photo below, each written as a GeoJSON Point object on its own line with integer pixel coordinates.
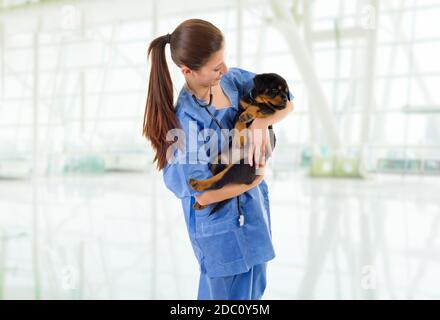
{"type": "Point", "coordinates": [192, 43]}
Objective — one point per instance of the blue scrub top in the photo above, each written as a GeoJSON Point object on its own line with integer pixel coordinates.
{"type": "Point", "coordinates": [221, 246]}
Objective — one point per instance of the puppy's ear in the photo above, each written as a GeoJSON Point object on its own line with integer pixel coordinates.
{"type": "Point", "coordinates": [256, 80]}
{"type": "Point", "coordinates": [259, 81]}
{"type": "Point", "coordinates": [288, 92]}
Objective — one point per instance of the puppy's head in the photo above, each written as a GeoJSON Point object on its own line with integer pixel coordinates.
{"type": "Point", "coordinates": [271, 88]}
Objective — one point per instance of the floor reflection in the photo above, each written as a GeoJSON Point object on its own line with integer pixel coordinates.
{"type": "Point", "coordinates": [122, 236]}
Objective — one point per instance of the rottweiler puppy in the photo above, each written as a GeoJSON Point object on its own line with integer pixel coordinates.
{"type": "Point", "coordinates": [269, 94]}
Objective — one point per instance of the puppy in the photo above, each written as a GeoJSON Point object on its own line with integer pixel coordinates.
{"type": "Point", "coordinates": [269, 94]}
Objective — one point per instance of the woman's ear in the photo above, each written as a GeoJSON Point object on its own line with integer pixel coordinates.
{"type": "Point", "coordinates": [185, 70]}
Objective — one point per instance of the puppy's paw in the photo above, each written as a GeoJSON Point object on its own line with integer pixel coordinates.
{"type": "Point", "coordinates": [197, 185]}
{"type": "Point", "coordinates": [193, 183]}
{"type": "Point", "coordinates": [239, 142]}
{"type": "Point", "coordinates": [245, 117]}
{"type": "Point", "coordinates": [198, 206]}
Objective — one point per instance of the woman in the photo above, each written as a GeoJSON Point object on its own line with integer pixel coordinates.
{"type": "Point", "coordinates": [232, 253]}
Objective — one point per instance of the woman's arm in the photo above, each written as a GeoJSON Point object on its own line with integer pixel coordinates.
{"type": "Point", "coordinates": [229, 191]}
{"type": "Point", "coordinates": [258, 135]}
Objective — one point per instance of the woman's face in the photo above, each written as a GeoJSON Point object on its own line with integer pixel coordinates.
{"type": "Point", "coordinates": [212, 71]}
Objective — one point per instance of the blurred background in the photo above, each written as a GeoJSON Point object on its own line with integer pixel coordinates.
{"type": "Point", "coordinates": [354, 181]}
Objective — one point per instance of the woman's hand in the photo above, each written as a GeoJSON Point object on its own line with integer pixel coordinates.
{"type": "Point", "coordinates": [258, 138]}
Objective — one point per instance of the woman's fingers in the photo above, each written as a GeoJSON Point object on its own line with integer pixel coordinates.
{"type": "Point", "coordinates": [268, 143]}
{"type": "Point", "coordinates": [263, 148]}
{"type": "Point", "coordinates": [259, 149]}
{"type": "Point", "coordinates": [258, 146]}
{"type": "Point", "coordinates": [257, 153]}
{"type": "Point", "coordinates": [262, 161]}
{"type": "Point", "coordinates": [250, 146]}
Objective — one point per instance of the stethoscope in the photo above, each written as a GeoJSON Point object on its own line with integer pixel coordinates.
{"type": "Point", "coordinates": [205, 106]}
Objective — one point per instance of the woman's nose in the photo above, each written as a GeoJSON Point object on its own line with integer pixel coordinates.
{"type": "Point", "coordinates": [225, 70]}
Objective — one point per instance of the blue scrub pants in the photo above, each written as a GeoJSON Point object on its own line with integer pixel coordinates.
{"type": "Point", "coordinates": [244, 286]}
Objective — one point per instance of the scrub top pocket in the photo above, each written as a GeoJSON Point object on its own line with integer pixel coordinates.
{"type": "Point", "coordinates": [221, 242]}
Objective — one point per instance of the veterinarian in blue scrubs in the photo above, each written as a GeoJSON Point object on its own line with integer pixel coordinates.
{"type": "Point", "coordinates": [232, 253]}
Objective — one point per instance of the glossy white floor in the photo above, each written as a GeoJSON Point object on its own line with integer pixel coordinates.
{"type": "Point", "coordinates": [92, 238]}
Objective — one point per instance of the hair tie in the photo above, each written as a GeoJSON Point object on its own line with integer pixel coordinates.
{"type": "Point", "coordinates": [168, 39]}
